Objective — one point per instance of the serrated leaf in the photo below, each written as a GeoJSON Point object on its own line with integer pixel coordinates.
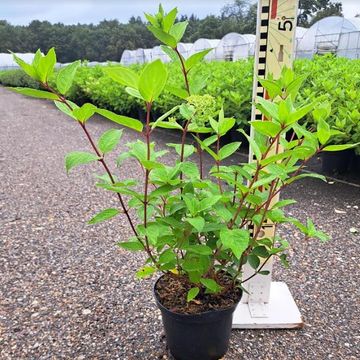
{"type": "Point", "coordinates": [78, 158]}
{"type": "Point", "coordinates": [237, 240]}
{"type": "Point", "coordinates": [109, 139]}
{"type": "Point", "coordinates": [197, 222]}
{"type": "Point", "coordinates": [104, 215]}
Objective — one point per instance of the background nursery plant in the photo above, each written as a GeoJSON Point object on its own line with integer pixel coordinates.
{"type": "Point", "coordinates": [197, 227]}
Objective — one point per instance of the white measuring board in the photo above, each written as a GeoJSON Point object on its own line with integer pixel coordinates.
{"type": "Point", "coordinates": [269, 304]}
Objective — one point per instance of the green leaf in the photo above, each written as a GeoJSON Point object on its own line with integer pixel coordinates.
{"type": "Point", "coordinates": [169, 19]}
{"type": "Point", "coordinates": [197, 222]}
{"type": "Point", "coordinates": [145, 272]}
{"type": "Point", "coordinates": [164, 116]}
{"type": "Point", "coordinates": [299, 114]}
{"type": "Point", "coordinates": [134, 92]}
{"type": "Point", "coordinates": [267, 128]}
{"type": "Point", "coordinates": [178, 30]}
{"type": "Point", "coordinates": [168, 125]}
{"type": "Point", "coordinates": [66, 76]}
{"type": "Point", "coordinates": [29, 69]}
{"type": "Point", "coordinates": [253, 261]}
{"type": "Point", "coordinates": [264, 272]}
{"type": "Point", "coordinates": [211, 285]}
{"type": "Point", "coordinates": [152, 80]}
{"type": "Point", "coordinates": [305, 175]}
{"type": "Point", "coordinates": [180, 93]}
{"type": "Point", "coordinates": [188, 149]}
{"type": "Point", "coordinates": [167, 256]}
{"type": "Point", "coordinates": [109, 139]}
{"type": "Point", "coordinates": [260, 251]}
{"type": "Point", "coordinates": [267, 107]}
{"type": "Point", "coordinates": [85, 112]}
{"type": "Point", "coordinates": [40, 94]}
{"type": "Point", "coordinates": [131, 245]}
{"type": "Point", "coordinates": [163, 36]}
{"type": "Point", "coordinates": [228, 150]}
{"type": "Point", "coordinates": [340, 147]}
{"type": "Point", "coordinates": [170, 52]}
{"type": "Point", "coordinates": [104, 215]}
{"type": "Point", "coordinates": [196, 59]}
{"type": "Point", "coordinates": [323, 131]}
{"type": "Point", "coordinates": [78, 158]}
{"type": "Point", "coordinates": [237, 240]}
{"type": "Point", "coordinates": [123, 75]}
{"type": "Point", "coordinates": [192, 293]}
{"type": "Point", "coordinates": [122, 120]}
{"type": "Point", "coordinates": [253, 145]}
{"type": "Point", "coordinates": [200, 249]}
{"type": "Point", "coordinates": [209, 202]}
{"type": "Point", "coordinates": [45, 65]}
{"type": "Point", "coordinates": [65, 109]}
{"type": "Point", "coordinates": [272, 87]}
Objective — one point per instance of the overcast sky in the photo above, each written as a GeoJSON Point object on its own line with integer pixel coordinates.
{"type": "Point", "coordinates": [92, 11]}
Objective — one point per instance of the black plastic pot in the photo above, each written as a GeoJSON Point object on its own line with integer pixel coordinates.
{"type": "Point", "coordinates": [337, 162]}
{"type": "Point", "coordinates": [202, 336]}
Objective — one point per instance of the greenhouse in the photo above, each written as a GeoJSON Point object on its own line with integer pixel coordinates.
{"type": "Point", "coordinates": [128, 57]}
{"type": "Point", "coordinates": [234, 42]}
{"type": "Point", "coordinates": [157, 53]}
{"type": "Point", "coordinates": [245, 49]}
{"type": "Point", "coordinates": [7, 62]}
{"type": "Point", "coordinates": [203, 44]}
{"type": "Point", "coordinates": [299, 34]}
{"type": "Point", "coordinates": [334, 34]}
{"type": "Point", "coordinates": [184, 49]}
{"type": "Point", "coordinates": [143, 56]}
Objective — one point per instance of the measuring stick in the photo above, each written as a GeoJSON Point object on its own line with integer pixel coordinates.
{"type": "Point", "coordinates": [269, 304]}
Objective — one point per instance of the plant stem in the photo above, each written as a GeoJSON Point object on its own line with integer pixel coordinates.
{"type": "Point", "coordinates": [258, 270]}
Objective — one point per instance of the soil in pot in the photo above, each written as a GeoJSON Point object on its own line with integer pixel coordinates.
{"type": "Point", "coordinates": [199, 330]}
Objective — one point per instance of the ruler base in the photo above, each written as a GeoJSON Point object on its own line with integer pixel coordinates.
{"type": "Point", "coordinates": [283, 312]}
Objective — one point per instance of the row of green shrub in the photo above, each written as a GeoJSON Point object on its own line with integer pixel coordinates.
{"type": "Point", "coordinates": [337, 78]}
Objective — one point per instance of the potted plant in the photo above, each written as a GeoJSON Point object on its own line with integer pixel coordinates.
{"type": "Point", "coordinates": [198, 229]}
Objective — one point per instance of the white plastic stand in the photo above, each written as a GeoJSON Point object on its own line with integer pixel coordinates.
{"type": "Point", "coordinates": [268, 304]}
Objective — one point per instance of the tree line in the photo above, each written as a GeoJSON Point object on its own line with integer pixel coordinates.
{"type": "Point", "coordinates": [109, 38]}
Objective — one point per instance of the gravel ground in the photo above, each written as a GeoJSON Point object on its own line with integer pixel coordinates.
{"type": "Point", "coordinates": [68, 293]}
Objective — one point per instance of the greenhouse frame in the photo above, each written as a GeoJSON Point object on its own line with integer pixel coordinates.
{"type": "Point", "coordinates": [333, 34]}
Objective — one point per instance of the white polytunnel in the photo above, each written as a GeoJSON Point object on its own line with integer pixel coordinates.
{"type": "Point", "coordinates": [128, 57]}
{"type": "Point", "coordinates": [157, 53]}
{"type": "Point", "coordinates": [184, 49]}
{"type": "Point", "coordinates": [204, 44]}
{"type": "Point", "coordinates": [234, 42]}
{"type": "Point", "coordinates": [7, 60]}
{"type": "Point", "coordinates": [143, 56]}
{"type": "Point", "coordinates": [244, 48]}
{"type": "Point", "coordinates": [330, 35]}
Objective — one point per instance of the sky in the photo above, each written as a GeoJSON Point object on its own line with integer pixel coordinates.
{"type": "Point", "coordinates": [21, 12]}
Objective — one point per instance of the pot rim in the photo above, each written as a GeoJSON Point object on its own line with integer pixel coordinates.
{"type": "Point", "coordinates": [217, 311]}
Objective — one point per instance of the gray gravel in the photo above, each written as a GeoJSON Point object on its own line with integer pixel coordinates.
{"type": "Point", "coordinates": [67, 292]}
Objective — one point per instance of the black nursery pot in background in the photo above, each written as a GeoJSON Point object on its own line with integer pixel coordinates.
{"type": "Point", "coordinates": [337, 162]}
{"type": "Point", "coordinates": [202, 336]}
